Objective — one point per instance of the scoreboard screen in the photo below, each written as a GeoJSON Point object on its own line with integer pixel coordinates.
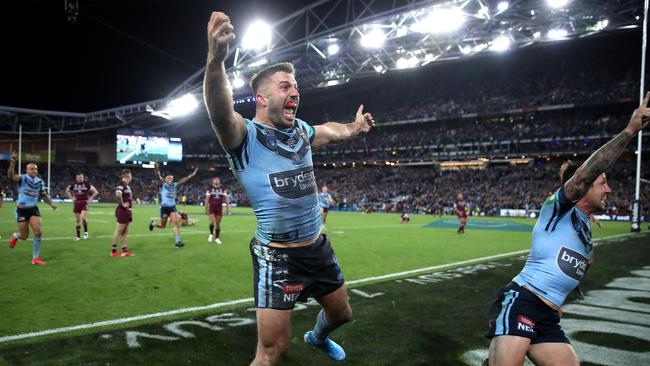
{"type": "Point", "coordinates": [139, 146]}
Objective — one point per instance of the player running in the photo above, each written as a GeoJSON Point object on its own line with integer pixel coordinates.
{"type": "Point", "coordinates": [78, 193]}
{"type": "Point", "coordinates": [168, 190]}
{"type": "Point", "coordinates": [524, 319]}
{"type": "Point", "coordinates": [461, 211]}
{"type": "Point", "coordinates": [123, 214]}
{"type": "Point", "coordinates": [325, 201]}
{"type": "Point", "coordinates": [271, 158]}
{"type": "Point", "coordinates": [30, 189]}
{"type": "Point", "coordinates": [215, 196]}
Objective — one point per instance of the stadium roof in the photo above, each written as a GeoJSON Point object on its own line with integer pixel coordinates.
{"type": "Point", "coordinates": [329, 41]}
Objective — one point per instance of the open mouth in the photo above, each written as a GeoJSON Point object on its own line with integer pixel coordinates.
{"type": "Point", "coordinates": [289, 109]}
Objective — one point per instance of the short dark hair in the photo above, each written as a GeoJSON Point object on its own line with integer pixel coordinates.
{"type": "Point", "coordinates": [257, 79]}
{"type": "Point", "coordinates": [125, 172]}
{"type": "Point", "coordinates": [567, 169]}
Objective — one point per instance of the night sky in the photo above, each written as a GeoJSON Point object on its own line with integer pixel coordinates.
{"type": "Point", "coordinates": [97, 63]}
{"type": "Point", "coordinates": [117, 53]}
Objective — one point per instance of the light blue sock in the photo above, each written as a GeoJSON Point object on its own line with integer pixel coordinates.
{"type": "Point", "coordinates": [178, 239]}
{"type": "Point", "coordinates": [37, 248]}
{"type": "Point", "coordinates": [323, 327]}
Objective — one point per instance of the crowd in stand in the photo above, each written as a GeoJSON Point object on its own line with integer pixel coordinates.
{"type": "Point", "coordinates": [423, 189]}
{"type": "Point", "coordinates": [427, 189]}
{"type": "Point", "coordinates": [570, 131]}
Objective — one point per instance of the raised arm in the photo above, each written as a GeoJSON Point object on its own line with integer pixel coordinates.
{"type": "Point", "coordinates": [156, 172]}
{"type": "Point", "coordinates": [185, 179]}
{"type": "Point", "coordinates": [11, 174]}
{"type": "Point", "coordinates": [333, 132]}
{"type": "Point", "coordinates": [227, 124]}
{"type": "Point", "coordinates": [576, 187]}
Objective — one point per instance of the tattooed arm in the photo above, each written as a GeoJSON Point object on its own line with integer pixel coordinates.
{"type": "Point", "coordinates": [578, 186]}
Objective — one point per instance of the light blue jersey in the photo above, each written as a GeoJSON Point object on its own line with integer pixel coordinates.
{"type": "Point", "coordinates": [29, 190]}
{"type": "Point", "coordinates": [561, 248]}
{"type": "Point", "coordinates": [275, 168]}
{"type": "Point", "coordinates": [324, 200]}
{"type": "Point", "coordinates": [168, 194]}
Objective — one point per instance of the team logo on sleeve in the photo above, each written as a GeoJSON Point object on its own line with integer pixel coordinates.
{"type": "Point", "coordinates": [571, 263]}
{"type": "Point", "coordinates": [295, 183]}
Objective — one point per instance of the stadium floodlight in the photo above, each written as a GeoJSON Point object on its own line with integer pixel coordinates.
{"type": "Point", "coordinates": [237, 82]}
{"type": "Point", "coordinates": [480, 47]}
{"type": "Point", "coordinates": [379, 68]}
{"type": "Point", "coordinates": [501, 43]}
{"type": "Point", "coordinates": [258, 63]}
{"type": "Point", "coordinates": [181, 106]}
{"type": "Point", "coordinates": [401, 31]}
{"type": "Point", "coordinates": [557, 34]}
{"type": "Point", "coordinates": [557, 3]}
{"type": "Point", "coordinates": [257, 36]}
{"type": "Point", "coordinates": [502, 6]}
{"type": "Point", "coordinates": [483, 12]}
{"type": "Point", "coordinates": [465, 50]}
{"type": "Point", "coordinates": [440, 20]}
{"type": "Point", "coordinates": [332, 49]}
{"type": "Point", "coordinates": [537, 35]}
{"type": "Point", "coordinates": [373, 39]}
{"type": "Point", "coordinates": [405, 63]}
{"type": "Point", "coordinates": [600, 25]}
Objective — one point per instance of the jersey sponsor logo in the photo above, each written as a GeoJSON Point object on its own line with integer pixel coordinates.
{"type": "Point", "coordinates": [572, 263]}
{"type": "Point", "coordinates": [290, 293]}
{"type": "Point", "coordinates": [31, 193]}
{"type": "Point", "coordinates": [524, 320]}
{"type": "Point", "coordinates": [295, 183]}
{"type": "Point", "coordinates": [288, 289]}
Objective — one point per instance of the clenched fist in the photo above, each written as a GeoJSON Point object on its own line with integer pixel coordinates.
{"type": "Point", "coordinates": [220, 34]}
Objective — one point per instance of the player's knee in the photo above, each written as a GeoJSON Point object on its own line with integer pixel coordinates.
{"type": "Point", "coordinates": [342, 317]}
{"type": "Point", "coordinates": [271, 352]}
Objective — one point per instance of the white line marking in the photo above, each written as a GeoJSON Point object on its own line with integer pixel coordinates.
{"type": "Point", "coordinates": [183, 232]}
{"type": "Point", "coordinates": [250, 299]}
{"type": "Point", "coordinates": [187, 231]}
{"type": "Point", "coordinates": [122, 320]}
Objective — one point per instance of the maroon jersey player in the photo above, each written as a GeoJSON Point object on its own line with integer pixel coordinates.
{"type": "Point", "coordinates": [215, 196]}
{"type": "Point", "coordinates": [82, 194]}
{"type": "Point", "coordinates": [123, 214]}
{"type": "Point", "coordinates": [461, 211]}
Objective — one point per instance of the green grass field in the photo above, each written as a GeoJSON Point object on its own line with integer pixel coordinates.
{"type": "Point", "coordinates": [418, 321]}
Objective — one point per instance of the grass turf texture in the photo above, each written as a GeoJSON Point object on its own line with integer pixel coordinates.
{"type": "Point", "coordinates": [82, 284]}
